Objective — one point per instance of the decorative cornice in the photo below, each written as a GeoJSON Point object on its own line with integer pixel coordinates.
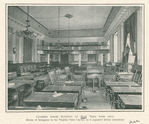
{"type": "Point", "coordinates": [122, 15]}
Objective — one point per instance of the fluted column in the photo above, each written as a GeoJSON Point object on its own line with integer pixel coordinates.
{"type": "Point", "coordinates": [112, 48]}
{"type": "Point", "coordinates": [122, 42]}
{"type": "Point", "coordinates": [21, 49]}
{"type": "Point", "coordinates": [80, 59]}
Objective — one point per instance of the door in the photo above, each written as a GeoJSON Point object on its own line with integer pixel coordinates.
{"type": "Point", "coordinates": [64, 59]}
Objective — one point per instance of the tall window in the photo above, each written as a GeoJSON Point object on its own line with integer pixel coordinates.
{"type": "Point", "coordinates": [108, 54]}
{"type": "Point", "coordinates": [76, 57]}
{"type": "Point", "coordinates": [131, 57]}
{"type": "Point", "coordinates": [115, 47]}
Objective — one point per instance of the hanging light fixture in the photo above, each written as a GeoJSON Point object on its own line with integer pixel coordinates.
{"type": "Point", "coordinates": [27, 33]}
{"type": "Point", "coordinates": [69, 16]}
{"type": "Point", "coordinates": [58, 46]}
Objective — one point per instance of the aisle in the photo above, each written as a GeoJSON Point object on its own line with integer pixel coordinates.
{"type": "Point", "coordinates": [95, 100]}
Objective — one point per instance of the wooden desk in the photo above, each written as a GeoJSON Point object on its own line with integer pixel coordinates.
{"type": "Point", "coordinates": [62, 89]}
{"type": "Point", "coordinates": [48, 100]}
{"type": "Point", "coordinates": [11, 75]}
{"type": "Point", "coordinates": [123, 90]}
{"type": "Point", "coordinates": [36, 108]}
{"type": "Point", "coordinates": [94, 73]}
{"type": "Point", "coordinates": [15, 93]}
{"type": "Point", "coordinates": [108, 84]}
{"type": "Point", "coordinates": [31, 83]}
{"type": "Point", "coordinates": [26, 77]}
{"type": "Point", "coordinates": [130, 101]}
{"type": "Point", "coordinates": [120, 84]}
{"type": "Point", "coordinates": [73, 83]}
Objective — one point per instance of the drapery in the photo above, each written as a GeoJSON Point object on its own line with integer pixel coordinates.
{"type": "Point", "coordinates": [130, 26]}
{"type": "Point", "coordinates": [27, 50]}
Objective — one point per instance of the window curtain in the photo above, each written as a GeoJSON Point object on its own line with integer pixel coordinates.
{"type": "Point", "coordinates": [27, 50]}
{"type": "Point", "coordinates": [130, 26]}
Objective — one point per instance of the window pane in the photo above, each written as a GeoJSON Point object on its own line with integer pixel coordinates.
{"type": "Point", "coordinates": [115, 47]}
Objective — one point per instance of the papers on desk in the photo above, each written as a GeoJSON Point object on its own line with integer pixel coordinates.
{"type": "Point", "coordinates": [69, 82]}
{"type": "Point", "coordinates": [10, 85]}
{"type": "Point", "coordinates": [25, 74]}
{"type": "Point", "coordinates": [58, 94]}
{"type": "Point", "coordinates": [124, 73]}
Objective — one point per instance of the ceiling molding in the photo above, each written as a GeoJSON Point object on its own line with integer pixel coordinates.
{"type": "Point", "coordinates": [77, 40]}
{"type": "Point", "coordinates": [114, 11]}
{"type": "Point", "coordinates": [77, 33]}
{"type": "Point", "coordinates": [120, 18]}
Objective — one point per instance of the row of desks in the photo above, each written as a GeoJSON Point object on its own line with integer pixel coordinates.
{"type": "Point", "coordinates": [120, 93]}
{"type": "Point", "coordinates": [54, 95]}
{"type": "Point", "coordinates": [47, 99]}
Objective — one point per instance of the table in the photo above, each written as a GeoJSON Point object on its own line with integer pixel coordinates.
{"type": "Point", "coordinates": [130, 101]}
{"type": "Point", "coordinates": [94, 73]}
{"type": "Point", "coordinates": [62, 89]}
{"type": "Point", "coordinates": [120, 84]}
{"type": "Point", "coordinates": [31, 83]}
{"type": "Point", "coordinates": [70, 83]}
{"type": "Point", "coordinates": [25, 77]}
{"type": "Point", "coordinates": [36, 108]}
{"type": "Point", "coordinates": [15, 93]}
{"type": "Point", "coordinates": [108, 84]}
{"type": "Point", "coordinates": [123, 90]}
{"type": "Point", "coordinates": [11, 75]}
{"type": "Point", "coordinates": [45, 99]}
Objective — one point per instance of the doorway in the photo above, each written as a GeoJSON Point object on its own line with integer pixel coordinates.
{"type": "Point", "coordinates": [64, 59]}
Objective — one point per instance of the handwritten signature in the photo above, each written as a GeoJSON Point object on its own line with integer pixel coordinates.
{"type": "Point", "coordinates": [132, 122]}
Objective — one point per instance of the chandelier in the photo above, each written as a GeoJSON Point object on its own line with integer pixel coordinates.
{"type": "Point", "coordinates": [27, 33]}
{"type": "Point", "coordinates": [61, 46]}
{"type": "Point", "coordinates": [69, 16]}
{"type": "Point", "coordinates": [58, 46]}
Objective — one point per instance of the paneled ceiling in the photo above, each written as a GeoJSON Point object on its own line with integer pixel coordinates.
{"type": "Point", "coordinates": [84, 17]}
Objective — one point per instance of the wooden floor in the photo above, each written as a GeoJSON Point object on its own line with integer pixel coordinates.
{"type": "Point", "coordinates": [95, 100]}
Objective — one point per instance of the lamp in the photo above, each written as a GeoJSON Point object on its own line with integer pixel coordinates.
{"type": "Point", "coordinates": [27, 33]}
{"type": "Point", "coordinates": [58, 46]}
{"type": "Point", "coordinates": [69, 16]}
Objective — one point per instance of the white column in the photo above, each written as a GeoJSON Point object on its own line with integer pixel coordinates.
{"type": "Point", "coordinates": [119, 44]}
{"type": "Point", "coordinates": [79, 59]}
{"type": "Point", "coordinates": [115, 47]}
{"type": "Point", "coordinates": [48, 59]}
{"type": "Point", "coordinates": [21, 50]}
{"type": "Point", "coordinates": [122, 41]}
{"type": "Point", "coordinates": [101, 58]}
{"type": "Point", "coordinates": [112, 48]}
{"type": "Point", "coordinates": [35, 49]}
{"type": "Point", "coordinates": [139, 37]}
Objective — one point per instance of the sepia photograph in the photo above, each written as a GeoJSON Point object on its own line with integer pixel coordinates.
{"type": "Point", "coordinates": [74, 57]}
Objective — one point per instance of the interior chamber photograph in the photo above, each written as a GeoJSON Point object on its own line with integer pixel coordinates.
{"type": "Point", "coordinates": [74, 57]}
